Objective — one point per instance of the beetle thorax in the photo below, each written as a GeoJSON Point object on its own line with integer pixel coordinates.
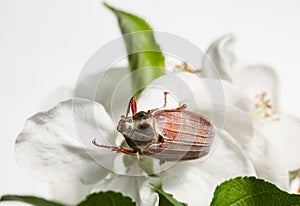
{"type": "Point", "coordinates": [138, 130]}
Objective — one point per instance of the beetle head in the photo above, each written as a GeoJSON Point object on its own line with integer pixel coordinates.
{"type": "Point", "coordinates": [125, 125]}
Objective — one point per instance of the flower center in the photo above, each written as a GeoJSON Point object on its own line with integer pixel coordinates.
{"type": "Point", "coordinates": [262, 108]}
{"type": "Point", "coordinates": [183, 67]}
{"type": "Point", "coordinates": [175, 65]}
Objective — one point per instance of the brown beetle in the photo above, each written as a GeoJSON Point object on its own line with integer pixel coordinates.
{"type": "Point", "coordinates": [164, 134]}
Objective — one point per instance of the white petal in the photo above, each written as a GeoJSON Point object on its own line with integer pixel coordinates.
{"type": "Point", "coordinates": [194, 182]}
{"type": "Point", "coordinates": [236, 122]}
{"type": "Point", "coordinates": [111, 88]}
{"type": "Point", "coordinates": [221, 55]}
{"type": "Point", "coordinates": [284, 135]}
{"type": "Point", "coordinates": [257, 79]}
{"type": "Point", "coordinates": [50, 147]}
{"type": "Point", "coordinates": [75, 192]}
{"type": "Point", "coordinates": [201, 92]}
{"type": "Point", "coordinates": [136, 187]}
{"type": "Point", "coordinates": [268, 161]}
{"type": "Point", "coordinates": [153, 97]}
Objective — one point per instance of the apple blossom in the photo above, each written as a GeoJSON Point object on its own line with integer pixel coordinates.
{"type": "Point", "coordinates": [275, 147]}
{"type": "Point", "coordinates": [51, 147]}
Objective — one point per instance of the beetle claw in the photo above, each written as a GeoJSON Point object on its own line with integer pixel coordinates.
{"type": "Point", "coordinates": [161, 162]}
{"type": "Point", "coordinates": [115, 150]}
{"type": "Point", "coordinates": [141, 159]}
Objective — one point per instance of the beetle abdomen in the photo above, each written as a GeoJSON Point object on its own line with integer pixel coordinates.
{"type": "Point", "coordinates": [176, 151]}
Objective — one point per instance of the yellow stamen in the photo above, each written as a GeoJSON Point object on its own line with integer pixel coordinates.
{"type": "Point", "coordinates": [185, 67]}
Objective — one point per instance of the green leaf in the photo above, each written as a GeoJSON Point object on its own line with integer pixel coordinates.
{"type": "Point", "coordinates": [30, 200]}
{"type": "Point", "coordinates": [166, 199]}
{"type": "Point", "coordinates": [109, 198]}
{"type": "Point", "coordinates": [144, 54]}
{"type": "Point", "coordinates": [250, 191]}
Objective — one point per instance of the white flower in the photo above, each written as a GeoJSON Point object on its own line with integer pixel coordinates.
{"type": "Point", "coordinates": [56, 146]}
{"type": "Point", "coordinates": [274, 149]}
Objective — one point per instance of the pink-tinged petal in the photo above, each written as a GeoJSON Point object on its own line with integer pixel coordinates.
{"type": "Point", "coordinates": [221, 55]}
{"type": "Point", "coordinates": [257, 79]}
{"type": "Point", "coordinates": [194, 182]}
{"type": "Point", "coordinates": [284, 135]}
{"type": "Point", "coordinates": [50, 147]}
{"type": "Point", "coordinates": [267, 161]}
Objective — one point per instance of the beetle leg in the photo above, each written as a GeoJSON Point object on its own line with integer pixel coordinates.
{"type": "Point", "coordinates": [182, 107]}
{"type": "Point", "coordinates": [178, 109]}
{"type": "Point", "coordinates": [165, 103]}
{"type": "Point", "coordinates": [132, 106]}
{"type": "Point", "coordinates": [139, 157]}
{"type": "Point", "coordinates": [165, 99]}
{"type": "Point", "coordinates": [123, 150]}
{"type": "Point", "coordinates": [114, 148]}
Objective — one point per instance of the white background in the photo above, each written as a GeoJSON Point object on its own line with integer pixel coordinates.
{"type": "Point", "coordinates": [45, 43]}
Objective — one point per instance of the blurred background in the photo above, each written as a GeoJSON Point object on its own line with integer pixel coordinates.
{"type": "Point", "coordinates": [44, 45]}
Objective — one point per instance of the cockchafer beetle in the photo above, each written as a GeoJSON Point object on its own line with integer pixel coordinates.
{"type": "Point", "coordinates": [164, 134]}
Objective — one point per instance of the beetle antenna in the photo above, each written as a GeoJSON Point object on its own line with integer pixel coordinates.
{"type": "Point", "coordinates": [114, 148]}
